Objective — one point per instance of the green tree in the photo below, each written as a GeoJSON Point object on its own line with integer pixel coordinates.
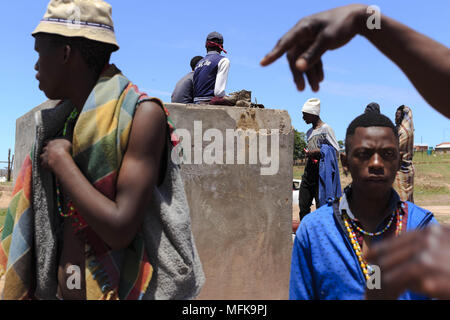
{"type": "Point", "coordinates": [299, 145]}
{"type": "Point", "coordinates": [341, 144]}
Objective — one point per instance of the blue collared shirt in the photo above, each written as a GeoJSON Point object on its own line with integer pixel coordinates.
{"type": "Point", "coordinates": [324, 264]}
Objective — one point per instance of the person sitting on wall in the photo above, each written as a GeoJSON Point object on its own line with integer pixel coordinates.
{"type": "Point", "coordinates": [184, 89]}
{"type": "Point", "coordinates": [211, 73]}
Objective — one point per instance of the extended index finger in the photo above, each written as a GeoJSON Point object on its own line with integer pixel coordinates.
{"type": "Point", "coordinates": [283, 45]}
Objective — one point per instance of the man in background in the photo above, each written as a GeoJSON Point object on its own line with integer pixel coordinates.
{"type": "Point", "coordinates": [184, 89]}
{"type": "Point", "coordinates": [211, 73]}
{"type": "Point", "coordinates": [321, 179]}
{"type": "Point", "coordinates": [404, 182]}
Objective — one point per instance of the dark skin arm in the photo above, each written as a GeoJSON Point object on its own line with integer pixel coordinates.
{"type": "Point", "coordinates": [417, 261]}
{"type": "Point", "coordinates": [118, 221]}
{"type": "Point", "coordinates": [312, 36]}
{"type": "Point", "coordinates": [313, 154]}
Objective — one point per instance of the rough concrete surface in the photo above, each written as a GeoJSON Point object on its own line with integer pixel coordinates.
{"type": "Point", "coordinates": [25, 133]}
{"type": "Point", "coordinates": [241, 219]}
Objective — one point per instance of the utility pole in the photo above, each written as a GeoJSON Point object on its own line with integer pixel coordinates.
{"type": "Point", "coordinates": [9, 166]}
{"type": "Point", "coordinates": [12, 163]}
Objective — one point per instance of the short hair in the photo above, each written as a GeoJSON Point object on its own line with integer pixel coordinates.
{"type": "Point", "coordinates": [372, 107]}
{"type": "Point", "coordinates": [96, 54]}
{"type": "Point", "coordinates": [401, 108]}
{"type": "Point", "coordinates": [194, 61]}
{"type": "Point", "coordinates": [369, 119]}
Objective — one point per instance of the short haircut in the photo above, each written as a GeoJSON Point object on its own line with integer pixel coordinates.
{"type": "Point", "coordinates": [372, 107]}
{"type": "Point", "coordinates": [401, 108]}
{"type": "Point", "coordinates": [96, 54]}
{"type": "Point", "coordinates": [194, 61]}
{"type": "Point", "coordinates": [369, 119]}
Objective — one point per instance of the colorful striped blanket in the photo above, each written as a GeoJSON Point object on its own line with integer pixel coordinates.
{"type": "Point", "coordinates": [404, 180]}
{"type": "Point", "coordinates": [99, 142]}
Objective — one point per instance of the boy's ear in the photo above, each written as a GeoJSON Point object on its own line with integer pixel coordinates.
{"type": "Point", "coordinates": [344, 163]}
{"type": "Point", "coordinates": [67, 53]}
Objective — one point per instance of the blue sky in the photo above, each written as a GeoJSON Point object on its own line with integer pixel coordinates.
{"type": "Point", "coordinates": [158, 39]}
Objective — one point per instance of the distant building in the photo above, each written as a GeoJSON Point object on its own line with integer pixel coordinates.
{"type": "Point", "coordinates": [420, 147]}
{"type": "Point", "coordinates": [443, 147]}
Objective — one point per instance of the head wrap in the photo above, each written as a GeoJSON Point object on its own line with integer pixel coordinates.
{"type": "Point", "coordinates": [312, 106]}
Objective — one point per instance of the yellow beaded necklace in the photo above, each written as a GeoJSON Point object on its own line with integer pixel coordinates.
{"type": "Point", "coordinates": [365, 267]}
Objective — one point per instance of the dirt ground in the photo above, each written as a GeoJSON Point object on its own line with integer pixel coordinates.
{"type": "Point", "coordinates": [5, 198]}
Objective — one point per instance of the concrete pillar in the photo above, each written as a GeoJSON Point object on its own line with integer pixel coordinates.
{"type": "Point", "coordinates": [241, 218]}
{"type": "Point", "coordinates": [25, 133]}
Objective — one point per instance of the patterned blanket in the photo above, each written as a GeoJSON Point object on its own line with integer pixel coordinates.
{"type": "Point", "coordinates": [99, 142]}
{"type": "Point", "coordinates": [404, 181]}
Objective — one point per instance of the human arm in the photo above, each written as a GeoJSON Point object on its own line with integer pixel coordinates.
{"type": "Point", "coordinates": [418, 261]}
{"type": "Point", "coordinates": [312, 36]}
{"type": "Point", "coordinates": [222, 77]}
{"type": "Point", "coordinates": [313, 154]}
{"type": "Point", "coordinates": [115, 221]}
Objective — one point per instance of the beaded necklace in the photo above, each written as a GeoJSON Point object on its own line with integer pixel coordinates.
{"type": "Point", "coordinates": [373, 234]}
{"type": "Point", "coordinates": [78, 221]}
{"type": "Point", "coordinates": [366, 268]}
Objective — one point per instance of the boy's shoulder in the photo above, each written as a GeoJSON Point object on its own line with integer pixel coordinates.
{"type": "Point", "coordinates": [418, 216]}
{"type": "Point", "coordinates": [318, 220]}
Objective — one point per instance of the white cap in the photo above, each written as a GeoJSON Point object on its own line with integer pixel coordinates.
{"type": "Point", "coordinates": [312, 106]}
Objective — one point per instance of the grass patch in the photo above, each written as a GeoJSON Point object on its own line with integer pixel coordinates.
{"type": "Point", "coordinates": [345, 180]}
{"type": "Point", "coordinates": [431, 180]}
{"type": "Point", "coordinates": [426, 189]}
{"type": "Point", "coordinates": [2, 216]}
{"type": "Point", "coordinates": [420, 157]}
{"type": "Point", "coordinates": [298, 171]}
{"type": "Point", "coordinates": [443, 219]}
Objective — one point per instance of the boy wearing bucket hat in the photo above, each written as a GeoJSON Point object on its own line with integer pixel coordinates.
{"type": "Point", "coordinates": [320, 180]}
{"type": "Point", "coordinates": [211, 73]}
{"type": "Point", "coordinates": [99, 211]}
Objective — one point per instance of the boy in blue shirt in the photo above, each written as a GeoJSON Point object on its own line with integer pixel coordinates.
{"type": "Point", "coordinates": [330, 244]}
